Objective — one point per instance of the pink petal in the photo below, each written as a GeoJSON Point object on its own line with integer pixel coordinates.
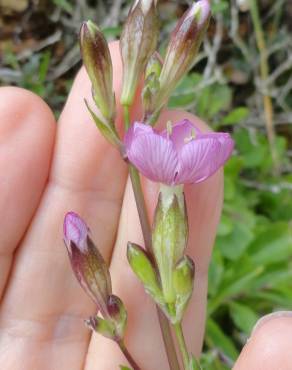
{"type": "Point", "coordinates": [180, 131]}
{"type": "Point", "coordinates": [197, 160]}
{"type": "Point", "coordinates": [154, 156]}
{"type": "Point", "coordinates": [226, 145]}
{"type": "Point", "coordinates": [75, 230]}
{"type": "Point", "coordinates": [136, 129]}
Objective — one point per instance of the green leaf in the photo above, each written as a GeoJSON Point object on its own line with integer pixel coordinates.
{"type": "Point", "coordinates": [235, 243]}
{"type": "Point", "coordinates": [272, 279]}
{"type": "Point", "coordinates": [277, 205]}
{"type": "Point", "coordinates": [64, 4]}
{"type": "Point", "coordinates": [124, 367]}
{"type": "Point", "coordinates": [44, 66]}
{"type": "Point", "coordinates": [216, 271]}
{"type": "Point", "coordinates": [185, 94]}
{"type": "Point", "coordinates": [235, 116]}
{"type": "Point", "coordinates": [225, 226]}
{"type": "Point", "coordinates": [215, 337]}
{"type": "Point", "coordinates": [219, 7]}
{"type": "Point", "coordinates": [275, 298]}
{"type": "Point", "coordinates": [272, 245]}
{"type": "Point", "coordinates": [111, 32]}
{"type": "Point", "coordinates": [243, 316]}
{"type": "Point", "coordinates": [233, 287]}
{"type": "Point", "coordinates": [213, 99]}
{"type": "Point", "coordinates": [254, 149]}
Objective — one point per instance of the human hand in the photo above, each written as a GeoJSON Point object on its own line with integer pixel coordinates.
{"type": "Point", "coordinates": [48, 169]}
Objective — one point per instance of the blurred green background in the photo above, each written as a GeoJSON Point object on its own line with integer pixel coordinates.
{"type": "Point", "coordinates": [242, 83]}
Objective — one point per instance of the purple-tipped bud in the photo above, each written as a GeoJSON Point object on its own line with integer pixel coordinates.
{"type": "Point", "coordinates": [118, 314]}
{"type": "Point", "coordinates": [75, 230]}
{"type": "Point", "coordinates": [86, 261]}
{"type": "Point", "coordinates": [97, 61]}
{"type": "Point", "coordinates": [183, 47]}
{"type": "Point", "coordinates": [138, 42]}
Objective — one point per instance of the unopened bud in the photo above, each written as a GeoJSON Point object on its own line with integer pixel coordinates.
{"type": "Point", "coordinates": [170, 234]}
{"type": "Point", "coordinates": [97, 61]}
{"type": "Point", "coordinates": [183, 47]}
{"type": "Point", "coordinates": [183, 282]}
{"type": "Point", "coordinates": [138, 42]}
{"type": "Point", "coordinates": [183, 276]}
{"type": "Point", "coordinates": [144, 270]}
{"type": "Point", "coordinates": [154, 65]}
{"type": "Point", "coordinates": [87, 262]}
{"type": "Point", "coordinates": [151, 85]}
{"type": "Point", "coordinates": [118, 315]}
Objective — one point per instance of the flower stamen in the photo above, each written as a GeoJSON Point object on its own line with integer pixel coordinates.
{"type": "Point", "coordinates": [188, 139]}
{"type": "Point", "coordinates": [168, 129]}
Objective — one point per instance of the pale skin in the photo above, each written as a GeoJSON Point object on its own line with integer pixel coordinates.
{"type": "Point", "coordinates": [47, 170]}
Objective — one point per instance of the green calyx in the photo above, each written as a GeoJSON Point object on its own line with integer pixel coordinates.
{"type": "Point", "coordinates": [114, 322]}
{"type": "Point", "coordinates": [169, 236]}
{"type": "Point", "coordinates": [104, 327]}
{"type": "Point", "coordinates": [106, 129]}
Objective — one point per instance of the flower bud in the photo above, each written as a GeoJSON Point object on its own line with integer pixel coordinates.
{"type": "Point", "coordinates": [151, 85]}
{"type": "Point", "coordinates": [144, 270]}
{"type": "Point", "coordinates": [169, 238]}
{"type": "Point", "coordinates": [101, 326]}
{"type": "Point", "coordinates": [154, 65]}
{"type": "Point", "coordinates": [183, 276]}
{"type": "Point", "coordinates": [138, 42]}
{"type": "Point", "coordinates": [87, 263]}
{"type": "Point", "coordinates": [183, 282]}
{"type": "Point", "coordinates": [97, 61]}
{"type": "Point", "coordinates": [118, 315]}
{"type": "Point", "coordinates": [183, 47]}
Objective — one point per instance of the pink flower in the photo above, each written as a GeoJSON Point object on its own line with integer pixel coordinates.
{"type": "Point", "coordinates": [181, 155]}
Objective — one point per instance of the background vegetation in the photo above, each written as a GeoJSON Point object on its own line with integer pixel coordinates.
{"type": "Point", "coordinates": [242, 83]}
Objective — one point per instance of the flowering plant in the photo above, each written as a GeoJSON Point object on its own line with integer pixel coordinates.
{"type": "Point", "coordinates": [181, 154]}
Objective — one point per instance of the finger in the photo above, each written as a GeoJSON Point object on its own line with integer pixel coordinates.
{"type": "Point", "coordinates": [88, 177]}
{"type": "Point", "coordinates": [27, 132]}
{"type": "Point", "coordinates": [269, 347]}
{"type": "Point", "coordinates": [143, 335]}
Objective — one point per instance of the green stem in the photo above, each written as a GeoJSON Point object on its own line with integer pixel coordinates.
{"type": "Point", "coordinates": [264, 71]}
{"type": "Point", "coordinates": [141, 207]}
{"type": "Point", "coordinates": [126, 116]}
{"type": "Point", "coordinates": [146, 230]}
{"type": "Point", "coordinates": [182, 345]}
{"type": "Point", "coordinates": [128, 356]}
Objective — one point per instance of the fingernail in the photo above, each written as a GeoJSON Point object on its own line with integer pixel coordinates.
{"type": "Point", "coordinates": [269, 317]}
